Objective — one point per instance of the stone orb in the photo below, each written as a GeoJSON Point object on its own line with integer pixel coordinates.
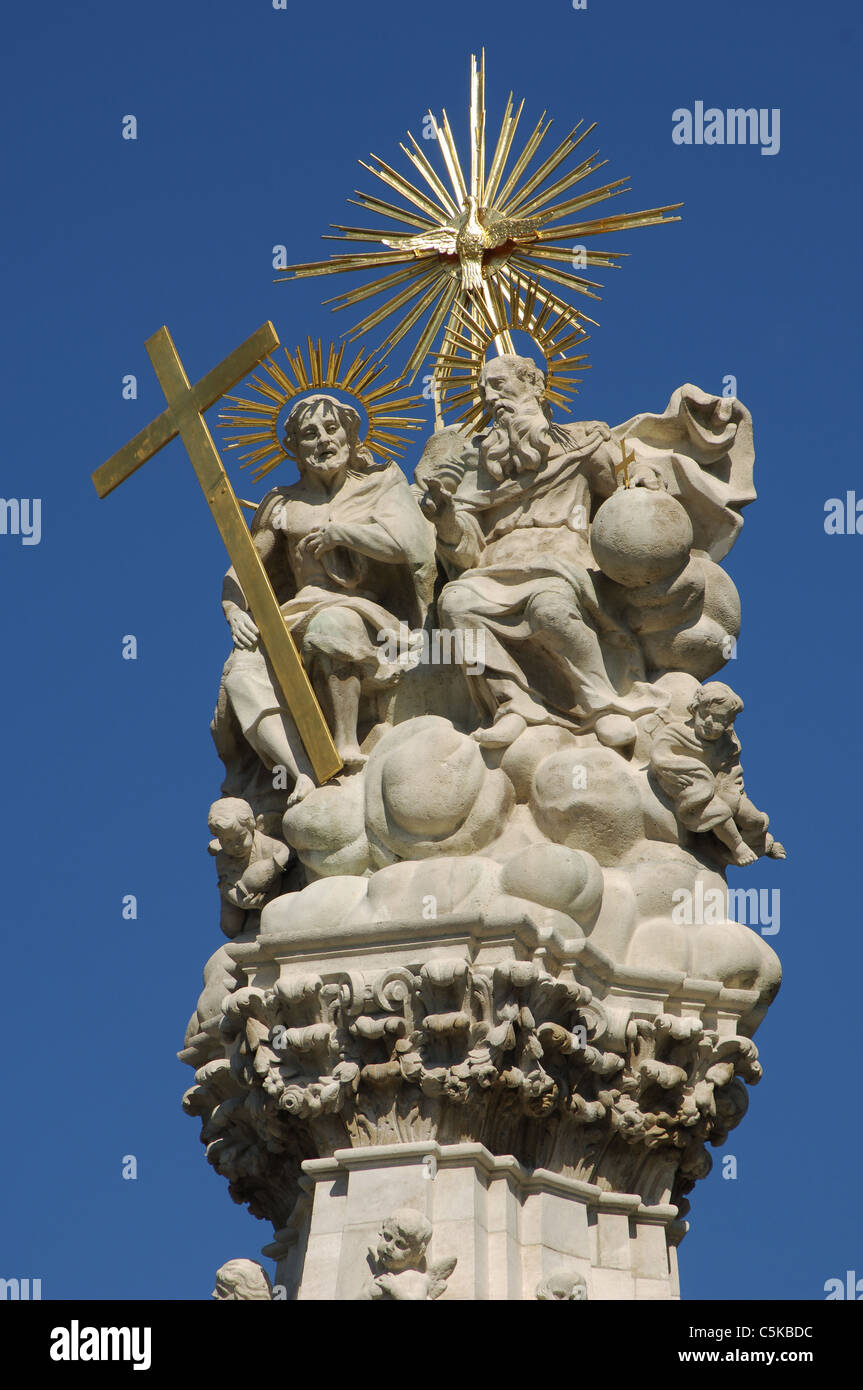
{"type": "Point", "coordinates": [640, 536]}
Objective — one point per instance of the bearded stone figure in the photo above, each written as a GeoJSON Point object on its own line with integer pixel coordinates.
{"type": "Point", "coordinates": [513, 511]}
{"type": "Point", "coordinates": [350, 558]}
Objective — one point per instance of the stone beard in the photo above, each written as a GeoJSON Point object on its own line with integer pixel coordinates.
{"type": "Point", "coordinates": [517, 443]}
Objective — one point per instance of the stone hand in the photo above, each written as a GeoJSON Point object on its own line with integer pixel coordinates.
{"type": "Point", "coordinates": [438, 505]}
{"type": "Point", "coordinates": [642, 475]}
{"type": "Point", "coordinates": [320, 540]}
{"type": "Point", "coordinates": [243, 630]}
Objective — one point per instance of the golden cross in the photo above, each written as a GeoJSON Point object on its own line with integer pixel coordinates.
{"type": "Point", "coordinates": [184, 417]}
{"type": "Point", "coordinates": [623, 467]}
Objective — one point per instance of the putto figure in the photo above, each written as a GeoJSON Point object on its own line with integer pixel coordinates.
{"type": "Point", "coordinates": [400, 1259]}
{"type": "Point", "coordinates": [249, 864]}
{"type": "Point", "coordinates": [697, 764]}
{"type": "Point", "coordinates": [350, 557]}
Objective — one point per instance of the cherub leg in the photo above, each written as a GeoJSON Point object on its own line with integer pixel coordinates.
{"type": "Point", "coordinates": [727, 831]}
{"type": "Point", "coordinates": [232, 920]}
{"type": "Point", "coordinates": [753, 826]}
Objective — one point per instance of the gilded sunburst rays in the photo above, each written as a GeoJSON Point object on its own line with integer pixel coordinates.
{"type": "Point", "coordinates": [470, 233]}
{"type": "Point", "coordinates": [556, 329]}
{"type": "Point", "coordinates": [254, 422]}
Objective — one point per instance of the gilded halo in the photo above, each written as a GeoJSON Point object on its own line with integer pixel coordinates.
{"type": "Point", "coordinates": [255, 422]}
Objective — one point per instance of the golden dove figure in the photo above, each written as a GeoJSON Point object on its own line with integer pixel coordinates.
{"type": "Point", "coordinates": [477, 231]}
{"type": "Point", "coordinates": [474, 229]}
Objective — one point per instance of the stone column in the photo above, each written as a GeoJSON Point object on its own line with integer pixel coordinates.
{"type": "Point", "coordinates": [546, 1129]}
{"type": "Point", "coordinates": [511, 1231]}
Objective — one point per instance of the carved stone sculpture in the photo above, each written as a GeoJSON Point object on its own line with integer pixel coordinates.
{"type": "Point", "coordinates": [249, 864]}
{"type": "Point", "coordinates": [467, 1010]}
{"type": "Point", "coordinates": [242, 1281]}
{"type": "Point", "coordinates": [350, 558]}
{"type": "Point", "coordinates": [474, 761]}
{"type": "Point", "coordinates": [562, 1287]}
{"type": "Point", "coordinates": [399, 1259]}
{"type": "Point", "coordinates": [480, 946]}
{"type": "Point", "coordinates": [697, 764]}
{"type": "Point", "coordinates": [558, 617]}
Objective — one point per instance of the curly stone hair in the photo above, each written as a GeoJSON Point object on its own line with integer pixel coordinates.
{"type": "Point", "coordinates": [228, 811]}
{"type": "Point", "coordinates": [715, 695]}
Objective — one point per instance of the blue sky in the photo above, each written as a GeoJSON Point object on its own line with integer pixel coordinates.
{"type": "Point", "coordinates": [250, 122]}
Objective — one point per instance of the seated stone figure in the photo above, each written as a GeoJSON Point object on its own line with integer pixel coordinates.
{"type": "Point", "coordinates": [249, 863]}
{"type": "Point", "coordinates": [351, 558]}
{"type": "Point", "coordinates": [515, 511]}
{"type": "Point", "coordinates": [697, 764]}
{"type": "Point", "coordinates": [513, 537]}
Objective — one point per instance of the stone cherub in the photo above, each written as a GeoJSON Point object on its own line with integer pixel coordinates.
{"type": "Point", "coordinates": [242, 1281]}
{"type": "Point", "coordinates": [697, 764]}
{"type": "Point", "coordinates": [351, 557]}
{"type": "Point", "coordinates": [249, 863]}
{"type": "Point", "coordinates": [399, 1257]}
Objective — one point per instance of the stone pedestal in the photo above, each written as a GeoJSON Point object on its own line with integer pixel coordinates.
{"type": "Point", "coordinates": [509, 1229]}
{"type": "Point", "coordinates": [544, 1110]}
